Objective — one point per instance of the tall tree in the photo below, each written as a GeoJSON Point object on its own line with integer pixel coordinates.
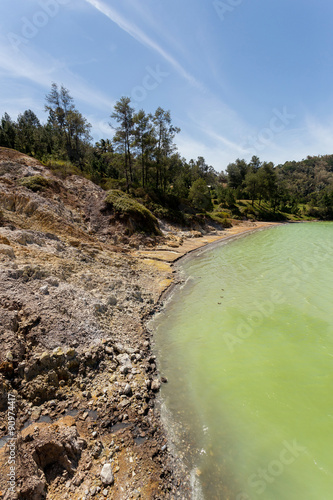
{"type": "Point", "coordinates": [165, 133]}
{"type": "Point", "coordinates": [70, 128]}
{"type": "Point", "coordinates": [7, 132]}
{"type": "Point", "coordinates": [144, 141]}
{"type": "Point", "coordinates": [123, 115]}
{"type": "Point", "coordinates": [28, 133]}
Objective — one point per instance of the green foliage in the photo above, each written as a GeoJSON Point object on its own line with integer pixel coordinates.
{"type": "Point", "coordinates": [221, 218]}
{"type": "Point", "coordinates": [36, 182]}
{"type": "Point", "coordinates": [142, 159]}
{"type": "Point", "coordinates": [114, 184]}
{"type": "Point", "coordinates": [62, 168]}
{"type": "Point", "coordinates": [200, 196]}
{"type": "Point", "coordinates": [137, 214]}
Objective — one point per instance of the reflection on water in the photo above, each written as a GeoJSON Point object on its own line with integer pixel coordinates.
{"type": "Point", "coordinates": [247, 347]}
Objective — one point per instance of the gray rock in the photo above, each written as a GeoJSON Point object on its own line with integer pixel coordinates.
{"type": "Point", "coordinates": [106, 475]}
{"type": "Point", "coordinates": [125, 363]}
{"type": "Point", "coordinates": [155, 385]}
{"type": "Point", "coordinates": [44, 290]}
{"type": "Point", "coordinates": [112, 301]}
{"type": "Point", "coordinates": [97, 450]}
{"type": "Point", "coordinates": [7, 250]}
{"type": "Point", "coordinates": [127, 390]}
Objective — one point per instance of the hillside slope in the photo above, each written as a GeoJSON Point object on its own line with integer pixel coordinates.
{"type": "Point", "coordinates": [75, 355]}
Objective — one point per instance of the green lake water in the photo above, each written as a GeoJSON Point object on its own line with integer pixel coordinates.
{"type": "Point", "coordinates": [247, 347]}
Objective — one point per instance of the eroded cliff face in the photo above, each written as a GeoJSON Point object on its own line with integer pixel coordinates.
{"type": "Point", "coordinates": [75, 355]}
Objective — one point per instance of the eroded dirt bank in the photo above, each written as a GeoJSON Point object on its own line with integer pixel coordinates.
{"type": "Point", "coordinates": [75, 293]}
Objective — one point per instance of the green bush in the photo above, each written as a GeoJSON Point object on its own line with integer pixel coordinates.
{"type": "Point", "coordinates": [109, 184]}
{"type": "Point", "coordinates": [222, 215]}
{"type": "Point", "coordinates": [36, 182]}
{"type": "Point", "coordinates": [62, 168]}
{"type": "Point", "coordinates": [139, 217]}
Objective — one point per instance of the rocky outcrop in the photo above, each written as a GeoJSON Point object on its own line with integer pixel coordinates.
{"type": "Point", "coordinates": [75, 354]}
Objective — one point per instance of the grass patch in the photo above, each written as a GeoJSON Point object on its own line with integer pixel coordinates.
{"type": "Point", "coordinates": [63, 169]}
{"type": "Point", "coordinates": [138, 216]}
{"type": "Point", "coordinates": [221, 218]}
{"type": "Point", "coordinates": [36, 182]}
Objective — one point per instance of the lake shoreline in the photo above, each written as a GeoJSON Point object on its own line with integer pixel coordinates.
{"type": "Point", "coordinates": [189, 251]}
{"type": "Point", "coordinates": [188, 254]}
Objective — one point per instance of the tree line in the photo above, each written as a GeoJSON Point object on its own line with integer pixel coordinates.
{"type": "Point", "coordinates": [142, 154]}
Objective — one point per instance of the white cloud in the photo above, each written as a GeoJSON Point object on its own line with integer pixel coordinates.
{"type": "Point", "coordinates": [42, 69]}
{"type": "Point", "coordinates": [135, 32]}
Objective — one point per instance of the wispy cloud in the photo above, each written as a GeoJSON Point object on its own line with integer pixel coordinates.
{"type": "Point", "coordinates": [135, 32]}
{"type": "Point", "coordinates": [42, 69]}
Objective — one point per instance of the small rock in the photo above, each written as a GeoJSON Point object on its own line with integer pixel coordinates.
{"type": "Point", "coordinates": [45, 359]}
{"type": "Point", "coordinates": [164, 380]}
{"type": "Point", "coordinates": [53, 282]}
{"type": "Point", "coordinates": [71, 353]}
{"type": "Point", "coordinates": [127, 390]}
{"type": "Point", "coordinates": [125, 363]}
{"type": "Point", "coordinates": [97, 450]}
{"type": "Point", "coordinates": [106, 475]}
{"type": "Point", "coordinates": [112, 301]}
{"type": "Point", "coordinates": [44, 290]}
{"type": "Point", "coordinates": [9, 356]}
{"type": "Point", "coordinates": [155, 385]}
{"type": "Point", "coordinates": [6, 250]}
{"type": "Point", "coordinates": [99, 307]}
{"type": "Point", "coordinates": [105, 492]}
{"type": "Point", "coordinates": [93, 491]}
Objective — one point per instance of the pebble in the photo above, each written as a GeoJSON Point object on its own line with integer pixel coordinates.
{"type": "Point", "coordinates": [44, 290]}
{"type": "Point", "coordinates": [155, 385]}
{"type": "Point", "coordinates": [112, 301]}
{"type": "Point", "coordinates": [128, 390]}
{"type": "Point", "coordinates": [106, 475]}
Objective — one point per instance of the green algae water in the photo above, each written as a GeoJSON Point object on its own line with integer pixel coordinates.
{"type": "Point", "coordinates": [247, 347]}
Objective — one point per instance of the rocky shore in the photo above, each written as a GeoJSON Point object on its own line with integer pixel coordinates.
{"type": "Point", "coordinates": [78, 380]}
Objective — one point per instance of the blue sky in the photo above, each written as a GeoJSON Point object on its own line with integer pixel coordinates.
{"type": "Point", "coordinates": [240, 77]}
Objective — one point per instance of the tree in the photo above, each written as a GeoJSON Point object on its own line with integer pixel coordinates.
{"type": "Point", "coordinates": [123, 114]}
{"type": "Point", "coordinates": [251, 185]}
{"type": "Point", "coordinates": [28, 137]}
{"type": "Point", "coordinates": [267, 183]}
{"type": "Point", "coordinates": [200, 196]}
{"type": "Point", "coordinates": [144, 142]}
{"type": "Point", "coordinates": [70, 130]}
{"type": "Point", "coordinates": [165, 133]}
{"type": "Point", "coordinates": [236, 173]}
{"type": "Point", "coordinates": [7, 132]}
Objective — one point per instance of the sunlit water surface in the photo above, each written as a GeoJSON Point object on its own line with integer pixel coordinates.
{"type": "Point", "coordinates": [247, 347]}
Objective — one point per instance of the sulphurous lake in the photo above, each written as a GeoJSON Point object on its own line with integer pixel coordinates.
{"type": "Point", "coordinates": [247, 347]}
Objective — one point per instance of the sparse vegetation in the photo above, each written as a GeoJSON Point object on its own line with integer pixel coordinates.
{"type": "Point", "coordinates": [136, 214]}
{"type": "Point", "coordinates": [36, 182]}
{"type": "Point", "coordinates": [141, 160]}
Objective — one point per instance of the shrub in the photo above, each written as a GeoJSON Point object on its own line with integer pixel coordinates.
{"type": "Point", "coordinates": [138, 216]}
{"type": "Point", "coordinates": [114, 184]}
{"type": "Point", "coordinates": [62, 169]}
{"type": "Point", "coordinates": [36, 182]}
